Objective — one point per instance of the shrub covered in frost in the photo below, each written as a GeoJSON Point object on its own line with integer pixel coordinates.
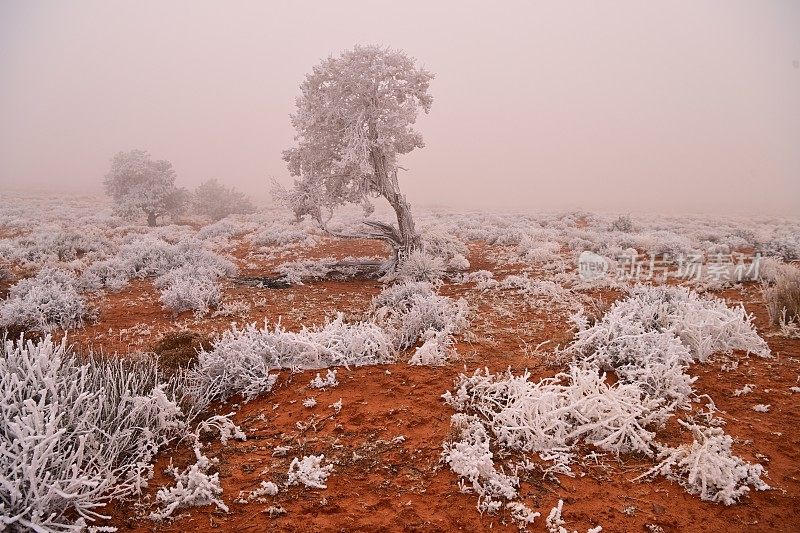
{"type": "Point", "coordinates": [707, 468]}
{"type": "Point", "coordinates": [420, 266]}
{"type": "Point", "coordinates": [309, 471]}
{"type": "Point", "coordinates": [194, 485]}
{"type": "Point", "coordinates": [52, 243]}
{"type": "Point", "coordinates": [147, 256]}
{"type": "Point", "coordinates": [189, 287]}
{"type": "Point", "coordinates": [783, 296]}
{"type": "Point", "coordinates": [216, 201]}
{"type": "Point", "coordinates": [649, 339]}
{"type": "Point", "coordinates": [76, 433]}
{"type": "Point", "coordinates": [438, 242]}
{"type": "Point", "coordinates": [242, 359]}
{"type": "Point", "coordinates": [412, 310]}
{"type": "Point", "coordinates": [46, 301]}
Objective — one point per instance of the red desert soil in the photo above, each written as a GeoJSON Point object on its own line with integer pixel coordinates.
{"type": "Point", "coordinates": [382, 483]}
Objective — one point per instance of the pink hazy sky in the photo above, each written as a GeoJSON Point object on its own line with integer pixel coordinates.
{"type": "Point", "coordinates": [625, 105]}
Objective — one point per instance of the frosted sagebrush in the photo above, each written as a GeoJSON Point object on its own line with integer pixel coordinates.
{"type": "Point", "coordinates": [412, 310]}
{"type": "Point", "coordinates": [46, 301]}
{"type": "Point", "coordinates": [648, 339]}
{"type": "Point", "coordinates": [189, 287]}
{"type": "Point", "coordinates": [75, 433]}
{"type": "Point", "coordinates": [244, 361]}
{"type": "Point", "coordinates": [309, 471]}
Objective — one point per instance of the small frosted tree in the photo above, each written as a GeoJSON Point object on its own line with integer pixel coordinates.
{"type": "Point", "coordinates": [354, 117]}
{"type": "Point", "coordinates": [138, 183]}
{"type": "Point", "coordinates": [214, 200]}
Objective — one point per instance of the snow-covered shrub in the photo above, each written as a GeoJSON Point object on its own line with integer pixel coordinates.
{"type": "Point", "coordinates": [309, 471]}
{"type": "Point", "coordinates": [216, 201]}
{"type": "Point", "coordinates": [470, 457]}
{"type": "Point", "coordinates": [329, 381]}
{"type": "Point", "coordinates": [46, 301]}
{"type": "Point", "coordinates": [147, 256]}
{"type": "Point", "coordinates": [189, 287]}
{"type": "Point", "coordinates": [193, 486]}
{"type": "Point", "coordinates": [538, 252]}
{"type": "Point", "coordinates": [243, 360]}
{"type": "Point", "coordinates": [555, 522]}
{"type": "Point", "coordinates": [782, 296]}
{"type": "Point", "coordinates": [649, 339]}
{"type": "Point", "coordinates": [420, 266]}
{"type": "Point", "coordinates": [75, 433]}
{"type": "Point", "coordinates": [707, 468]}
{"type": "Point", "coordinates": [622, 223]}
{"type": "Point", "coordinates": [138, 184]}
{"type": "Point", "coordinates": [438, 242]}
{"type": "Point", "coordinates": [55, 243]}
{"type": "Point", "coordinates": [411, 310]}
{"type": "Point", "coordinates": [704, 325]}
{"type": "Point", "coordinates": [281, 234]}
{"type": "Point", "coordinates": [436, 350]}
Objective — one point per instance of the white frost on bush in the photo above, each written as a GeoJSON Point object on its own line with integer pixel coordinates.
{"type": "Point", "coordinates": [309, 471]}
{"type": "Point", "coordinates": [193, 486]}
{"type": "Point", "coordinates": [329, 381]}
{"type": "Point", "coordinates": [648, 340]}
{"type": "Point", "coordinates": [471, 458]}
{"type": "Point", "coordinates": [44, 302]}
{"type": "Point", "coordinates": [75, 433]}
{"type": "Point", "coordinates": [143, 256]}
{"type": "Point", "coordinates": [555, 522]}
{"type": "Point", "coordinates": [244, 360]}
{"type": "Point", "coordinates": [189, 287]}
{"type": "Point", "coordinates": [436, 350]}
{"type": "Point", "coordinates": [412, 310]}
{"type": "Point", "coordinates": [420, 266]}
{"type": "Point", "coordinates": [707, 468]}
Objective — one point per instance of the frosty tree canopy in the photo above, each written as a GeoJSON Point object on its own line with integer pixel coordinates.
{"type": "Point", "coordinates": [354, 117]}
{"type": "Point", "coordinates": [138, 183]}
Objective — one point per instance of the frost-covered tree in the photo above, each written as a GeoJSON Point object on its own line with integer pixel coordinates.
{"type": "Point", "coordinates": [354, 118]}
{"type": "Point", "coordinates": [138, 183]}
{"type": "Point", "coordinates": [214, 200]}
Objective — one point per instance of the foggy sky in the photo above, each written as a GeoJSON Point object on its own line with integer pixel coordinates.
{"type": "Point", "coordinates": [631, 106]}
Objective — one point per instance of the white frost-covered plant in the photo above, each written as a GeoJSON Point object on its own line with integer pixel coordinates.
{"type": "Point", "coordinates": [190, 287]}
{"type": "Point", "coordinates": [470, 457]}
{"type": "Point", "coordinates": [75, 433]}
{"type": "Point", "coordinates": [648, 340]}
{"type": "Point", "coordinates": [46, 301]}
{"type": "Point", "coordinates": [244, 360]}
{"type": "Point", "coordinates": [147, 256]}
{"type": "Point", "coordinates": [555, 522]}
{"type": "Point", "coordinates": [329, 381]}
{"type": "Point", "coordinates": [309, 472]}
{"type": "Point", "coordinates": [195, 485]}
{"type": "Point", "coordinates": [216, 201]}
{"type": "Point", "coordinates": [421, 266]}
{"type": "Point", "coordinates": [412, 310]}
{"type": "Point", "coordinates": [707, 468]}
{"type": "Point", "coordinates": [139, 184]}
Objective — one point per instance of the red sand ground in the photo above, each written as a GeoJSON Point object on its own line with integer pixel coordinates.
{"type": "Point", "coordinates": [381, 485]}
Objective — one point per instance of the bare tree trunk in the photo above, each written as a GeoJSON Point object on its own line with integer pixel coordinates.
{"type": "Point", "coordinates": [151, 219]}
{"type": "Point", "coordinates": [389, 188]}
